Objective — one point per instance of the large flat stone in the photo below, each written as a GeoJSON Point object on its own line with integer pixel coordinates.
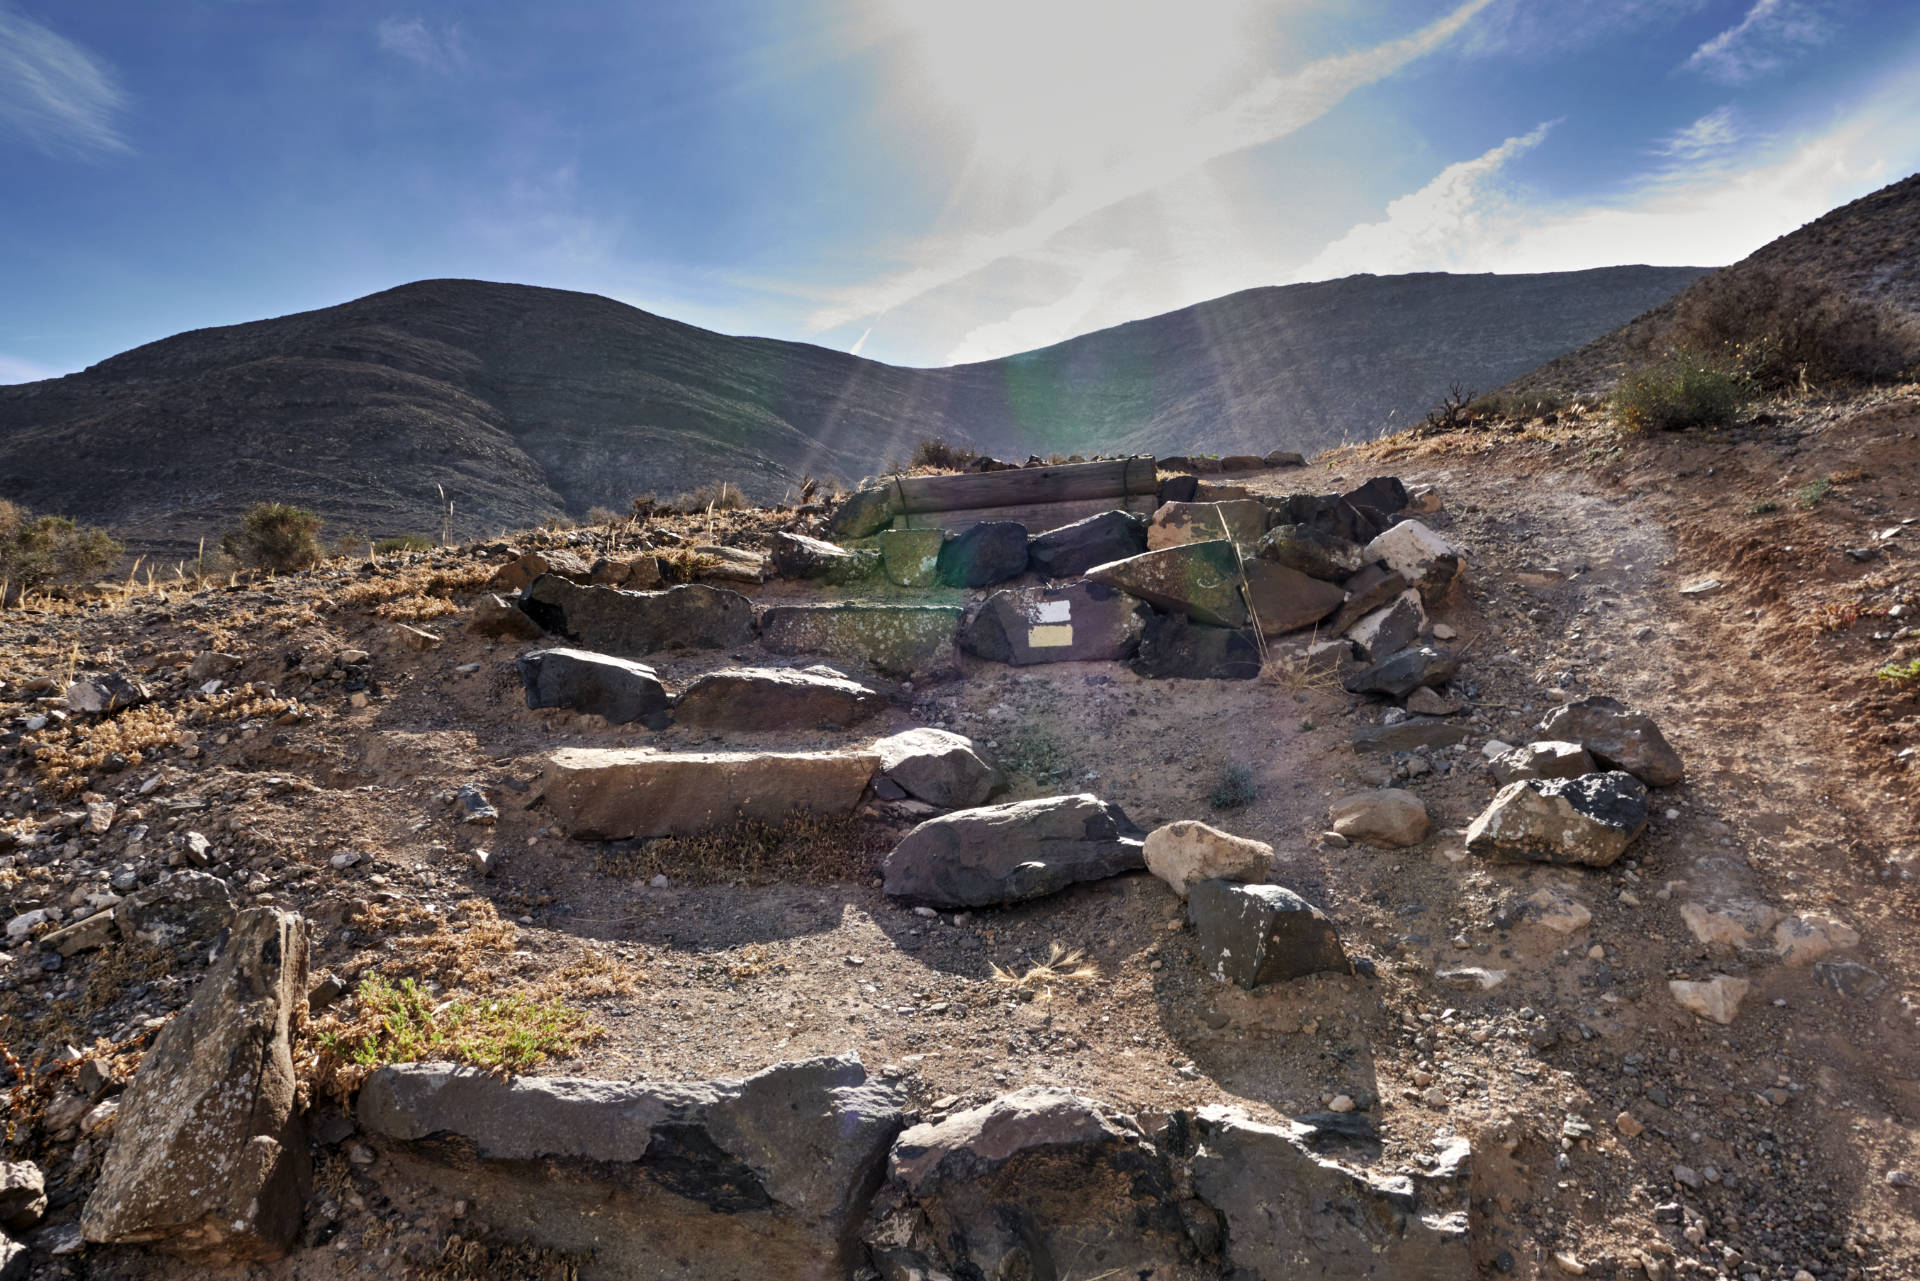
{"type": "Point", "coordinates": [1199, 580]}
{"type": "Point", "coordinates": [596, 684]}
{"type": "Point", "coordinates": [1078, 622]}
{"type": "Point", "coordinates": [611, 621]}
{"type": "Point", "coordinates": [765, 1176]}
{"type": "Point", "coordinates": [1020, 850]}
{"type": "Point", "coordinates": [773, 698]}
{"type": "Point", "coordinates": [1284, 600]}
{"type": "Point", "coordinates": [1173, 648]}
{"type": "Point", "coordinates": [797, 556]}
{"type": "Point", "coordinates": [1404, 672]}
{"type": "Point", "coordinates": [209, 1159]}
{"type": "Point", "coordinates": [1243, 520]}
{"type": "Point", "coordinates": [1409, 735]}
{"type": "Point", "coordinates": [598, 793]}
{"type": "Point", "coordinates": [900, 640]}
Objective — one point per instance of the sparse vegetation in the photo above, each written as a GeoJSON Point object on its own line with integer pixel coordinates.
{"type": "Point", "coordinates": [1907, 673]}
{"type": "Point", "coordinates": [277, 537]}
{"type": "Point", "coordinates": [1785, 329]}
{"type": "Point", "coordinates": [1033, 752]}
{"type": "Point", "coordinates": [1037, 981]}
{"type": "Point", "coordinates": [1234, 787]}
{"type": "Point", "coordinates": [684, 565]}
{"type": "Point", "coordinates": [1810, 494]}
{"type": "Point", "coordinates": [935, 454]}
{"type": "Point", "coordinates": [1763, 508]}
{"type": "Point", "coordinates": [49, 551]}
{"type": "Point", "coordinates": [720, 496]}
{"type": "Point", "coordinates": [405, 1022]}
{"type": "Point", "coordinates": [1685, 389]}
{"type": "Point", "coordinates": [405, 543]}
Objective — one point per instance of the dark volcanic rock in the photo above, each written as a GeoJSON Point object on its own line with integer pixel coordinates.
{"type": "Point", "coordinates": [1367, 591]}
{"type": "Point", "coordinates": [766, 1176]}
{"type": "Point", "coordinates": [938, 766]}
{"type": "Point", "coordinates": [1037, 1176]}
{"type": "Point", "coordinates": [900, 640]}
{"type": "Point", "coordinates": [209, 1158]}
{"type": "Point", "coordinates": [1020, 850]}
{"type": "Point", "coordinates": [1389, 629]}
{"type": "Point", "coordinates": [1405, 672]}
{"type": "Point", "coordinates": [989, 552]}
{"type": "Point", "coordinates": [502, 619]}
{"type": "Point", "coordinates": [1588, 820]}
{"type": "Point", "coordinates": [1200, 580]}
{"type": "Point", "coordinates": [1409, 735]}
{"type": "Point", "coordinates": [1074, 549]}
{"type": "Point", "coordinates": [1255, 934]}
{"type": "Point", "coordinates": [597, 684]}
{"type": "Point", "coordinates": [771, 698]}
{"type": "Point", "coordinates": [1312, 551]}
{"type": "Point", "coordinates": [1079, 622]}
{"type": "Point", "coordinates": [1618, 737]}
{"type": "Point", "coordinates": [1173, 648]}
{"type": "Point", "coordinates": [611, 621]}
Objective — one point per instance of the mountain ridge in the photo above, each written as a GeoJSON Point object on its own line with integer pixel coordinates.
{"type": "Point", "coordinates": [523, 402]}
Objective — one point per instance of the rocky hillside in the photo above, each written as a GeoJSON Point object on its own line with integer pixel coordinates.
{"type": "Point", "coordinates": [1870, 248]}
{"type": "Point", "coordinates": [524, 403]}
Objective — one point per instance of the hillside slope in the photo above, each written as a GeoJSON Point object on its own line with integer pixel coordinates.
{"type": "Point", "coordinates": [523, 403]}
{"type": "Point", "coordinates": [1870, 248]}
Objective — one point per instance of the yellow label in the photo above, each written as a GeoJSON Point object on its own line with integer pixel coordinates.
{"type": "Point", "coordinates": [1050, 636]}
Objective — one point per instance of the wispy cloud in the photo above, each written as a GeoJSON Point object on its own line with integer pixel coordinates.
{"type": "Point", "coordinates": [53, 94]}
{"type": "Point", "coordinates": [442, 51]}
{"type": "Point", "coordinates": [1437, 228]}
{"type": "Point", "coordinates": [13, 369]}
{"type": "Point", "coordinates": [1273, 108]}
{"type": "Point", "coordinates": [1712, 134]}
{"type": "Point", "coordinates": [1771, 32]}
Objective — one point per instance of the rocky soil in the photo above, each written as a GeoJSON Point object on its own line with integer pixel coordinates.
{"type": "Point", "coordinates": [1742, 589]}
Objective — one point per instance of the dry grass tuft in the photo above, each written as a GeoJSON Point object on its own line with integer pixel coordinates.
{"type": "Point", "coordinates": [594, 973]}
{"type": "Point", "coordinates": [808, 847]}
{"type": "Point", "coordinates": [463, 948]}
{"type": "Point", "coordinates": [1062, 965]}
{"type": "Point", "coordinates": [467, 1260]}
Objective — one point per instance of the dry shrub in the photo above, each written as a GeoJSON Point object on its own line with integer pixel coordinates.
{"type": "Point", "coordinates": [936, 454]}
{"type": "Point", "coordinates": [416, 593]}
{"type": "Point", "coordinates": [1788, 328]}
{"type": "Point", "coordinates": [462, 948]}
{"type": "Point", "coordinates": [49, 551]}
{"type": "Point", "coordinates": [594, 973]}
{"type": "Point", "coordinates": [721, 496]}
{"type": "Point", "coordinates": [278, 537]}
{"type": "Point", "coordinates": [1063, 965]}
{"type": "Point", "coordinates": [462, 1259]}
{"type": "Point", "coordinates": [684, 565]}
{"type": "Point", "coordinates": [1685, 389]}
{"type": "Point", "coordinates": [807, 847]}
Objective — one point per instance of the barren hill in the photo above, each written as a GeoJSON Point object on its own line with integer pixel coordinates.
{"type": "Point", "coordinates": [523, 403]}
{"type": "Point", "coordinates": [1870, 248]}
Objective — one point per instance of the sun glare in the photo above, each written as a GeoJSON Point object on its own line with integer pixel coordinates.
{"type": "Point", "coordinates": [1067, 86]}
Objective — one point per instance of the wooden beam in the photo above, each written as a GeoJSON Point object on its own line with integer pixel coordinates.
{"type": "Point", "coordinates": [1027, 486]}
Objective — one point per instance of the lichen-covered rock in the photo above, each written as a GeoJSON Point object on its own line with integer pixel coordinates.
{"type": "Point", "coordinates": [1175, 524]}
{"type": "Point", "coordinates": [1391, 628]}
{"type": "Point", "coordinates": [1312, 551]}
{"type": "Point", "coordinates": [1419, 555]}
{"type": "Point", "coordinates": [186, 908]}
{"type": "Point", "coordinates": [797, 556]}
{"type": "Point", "coordinates": [209, 1158]}
{"type": "Point", "coordinates": [1019, 850]}
{"type": "Point", "coordinates": [1200, 580]}
{"type": "Point", "coordinates": [900, 640]}
{"type": "Point", "coordinates": [1618, 737]}
{"type": "Point", "coordinates": [23, 1195]}
{"type": "Point", "coordinates": [1588, 820]}
{"type": "Point", "coordinates": [911, 557]}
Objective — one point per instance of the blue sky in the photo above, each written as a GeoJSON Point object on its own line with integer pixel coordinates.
{"type": "Point", "coordinates": [924, 182]}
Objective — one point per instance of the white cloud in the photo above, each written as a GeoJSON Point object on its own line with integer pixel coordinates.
{"type": "Point", "coordinates": [412, 39]}
{"type": "Point", "coordinates": [1274, 107]}
{"type": "Point", "coordinates": [1440, 227]}
{"type": "Point", "coordinates": [1711, 134]}
{"type": "Point", "coordinates": [1717, 212]}
{"type": "Point", "coordinates": [1040, 325]}
{"type": "Point", "coordinates": [54, 94]}
{"type": "Point", "coordinates": [13, 369]}
{"type": "Point", "coordinates": [1771, 32]}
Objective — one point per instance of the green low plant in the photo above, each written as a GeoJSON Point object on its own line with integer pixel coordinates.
{"type": "Point", "coordinates": [405, 543]}
{"type": "Point", "coordinates": [404, 1022]}
{"type": "Point", "coordinates": [1907, 673]}
{"type": "Point", "coordinates": [1809, 495]}
{"type": "Point", "coordinates": [278, 537]}
{"type": "Point", "coordinates": [49, 551]}
{"type": "Point", "coordinates": [1234, 787]}
{"type": "Point", "coordinates": [1763, 508]}
{"type": "Point", "coordinates": [1686, 389]}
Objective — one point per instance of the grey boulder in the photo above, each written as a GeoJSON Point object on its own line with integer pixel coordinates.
{"type": "Point", "coordinates": [1173, 647]}
{"type": "Point", "coordinates": [619, 689]}
{"type": "Point", "coordinates": [1256, 934]}
{"type": "Point", "coordinates": [773, 698]}
{"type": "Point", "coordinates": [209, 1158]}
{"type": "Point", "coordinates": [1019, 850]}
{"type": "Point", "coordinates": [900, 640]}
{"type": "Point", "coordinates": [1588, 820]}
{"type": "Point", "coordinates": [797, 556]}
{"type": "Point", "coordinates": [939, 767]}
{"type": "Point", "coordinates": [1406, 671]}
{"type": "Point", "coordinates": [186, 909]}
{"type": "Point", "coordinates": [1412, 734]}
{"type": "Point", "coordinates": [983, 554]}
